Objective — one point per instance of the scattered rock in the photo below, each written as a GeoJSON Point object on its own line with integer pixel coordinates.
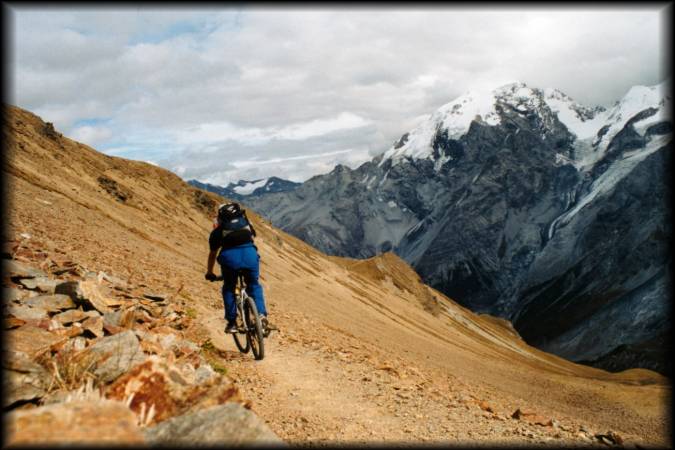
{"type": "Point", "coordinates": [112, 318]}
{"type": "Point", "coordinates": [19, 270]}
{"type": "Point", "coordinates": [152, 347]}
{"type": "Point", "coordinates": [94, 325]}
{"type": "Point", "coordinates": [32, 340]}
{"type": "Point", "coordinates": [51, 303]}
{"type": "Point", "coordinates": [84, 293]}
{"type": "Point", "coordinates": [154, 296]}
{"type": "Point", "coordinates": [42, 284]}
{"type": "Point", "coordinates": [118, 282]}
{"type": "Point", "coordinates": [485, 406]}
{"type": "Point", "coordinates": [23, 379]}
{"type": "Point", "coordinates": [204, 374]}
{"type": "Point", "coordinates": [112, 329]}
{"type": "Point", "coordinates": [75, 422]}
{"type": "Point", "coordinates": [127, 318]}
{"type": "Point", "coordinates": [519, 414]}
{"type": "Point", "coordinates": [112, 356]}
{"type": "Point", "coordinates": [609, 438]}
{"type": "Point", "coordinates": [70, 332]}
{"type": "Point", "coordinates": [70, 316]}
{"type": "Point", "coordinates": [229, 424]}
{"type": "Point", "coordinates": [12, 294]}
{"type": "Point", "coordinates": [26, 313]}
{"type": "Point", "coordinates": [76, 344]}
{"type": "Point", "coordinates": [12, 322]}
{"type": "Point", "coordinates": [74, 270]}
{"type": "Point", "coordinates": [9, 248]}
{"type": "Point", "coordinates": [169, 389]}
{"type": "Point", "coordinates": [164, 342]}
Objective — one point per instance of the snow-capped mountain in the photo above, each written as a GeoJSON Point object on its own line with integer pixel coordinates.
{"type": "Point", "coordinates": [518, 202]}
{"type": "Point", "coordinates": [242, 189]}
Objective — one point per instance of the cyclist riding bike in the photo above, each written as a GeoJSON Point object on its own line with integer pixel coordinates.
{"type": "Point", "coordinates": [233, 236]}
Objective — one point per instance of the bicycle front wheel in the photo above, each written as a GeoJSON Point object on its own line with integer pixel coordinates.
{"type": "Point", "coordinates": [254, 328]}
{"type": "Point", "coordinates": [241, 339]}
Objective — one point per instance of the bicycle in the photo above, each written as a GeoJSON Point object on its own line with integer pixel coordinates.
{"type": "Point", "coordinates": [248, 321]}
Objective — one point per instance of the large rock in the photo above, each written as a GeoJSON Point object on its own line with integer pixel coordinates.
{"type": "Point", "coordinates": [94, 325]}
{"type": "Point", "coordinates": [112, 356]}
{"type": "Point", "coordinates": [16, 269]}
{"type": "Point", "coordinates": [92, 422]}
{"type": "Point", "coordinates": [42, 284]}
{"type": "Point", "coordinates": [32, 340]}
{"type": "Point", "coordinates": [23, 378]}
{"type": "Point", "coordinates": [228, 424]}
{"type": "Point", "coordinates": [12, 294]}
{"type": "Point", "coordinates": [51, 303]}
{"type": "Point", "coordinates": [86, 293]}
{"type": "Point", "coordinates": [25, 312]}
{"type": "Point", "coordinates": [70, 316]}
{"type": "Point", "coordinates": [171, 389]}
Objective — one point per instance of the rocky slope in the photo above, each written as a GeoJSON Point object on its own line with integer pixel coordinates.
{"type": "Point", "coordinates": [522, 203]}
{"type": "Point", "coordinates": [108, 360]}
{"type": "Point", "coordinates": [244, 189]}
{"type": "Point", "coordinates": [366, 352]}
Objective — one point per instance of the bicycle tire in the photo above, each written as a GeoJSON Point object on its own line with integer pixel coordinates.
{"type": "Point", "coordinates": [254, 333]}
{"type": "Point", "coordinates": [246, 346]}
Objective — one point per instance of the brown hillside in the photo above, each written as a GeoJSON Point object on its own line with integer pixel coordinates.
{"type": "Point", "coordinates": [366, 352]}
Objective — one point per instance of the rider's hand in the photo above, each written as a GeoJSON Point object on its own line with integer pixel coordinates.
{"type": "Point", "coordinates": [210, 276]}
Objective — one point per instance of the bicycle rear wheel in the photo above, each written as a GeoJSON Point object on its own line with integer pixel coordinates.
{"type": "Point", "coordinates": [254, 328]}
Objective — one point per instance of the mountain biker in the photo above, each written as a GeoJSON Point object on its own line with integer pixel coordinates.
{"type": "Point", "coordinates": [234, 234]}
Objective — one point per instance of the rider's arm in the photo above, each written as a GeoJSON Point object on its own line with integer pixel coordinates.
{"type": "Point", "coordinates": [212, 261]}
{"type": "Point", "coordinates": [214, 245]}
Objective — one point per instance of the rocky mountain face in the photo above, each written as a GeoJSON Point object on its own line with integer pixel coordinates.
{"type": "Point", "coordinates": [243, 189]}
{"type": "Point", "coordinates": [522, 203]}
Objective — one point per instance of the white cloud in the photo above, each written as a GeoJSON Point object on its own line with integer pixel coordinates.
{"type": "Point", "coordinates": [198, 88]}
{"type": "Point", "coordinates": [223, 131]}
{"type": "Point", "coordinates": [91, 135]}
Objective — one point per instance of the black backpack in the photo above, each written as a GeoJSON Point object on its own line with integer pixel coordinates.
{"type": "Point", "coordinates": [229, 211]}
{"type": "Point", "coordinates": [231, 218]}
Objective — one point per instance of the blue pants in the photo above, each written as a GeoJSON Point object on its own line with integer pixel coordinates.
{"type": "Point", "coordinates": [243, 259]}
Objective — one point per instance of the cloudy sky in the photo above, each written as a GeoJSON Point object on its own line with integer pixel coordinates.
{"type": "Point", "coordinates": [248, 92]}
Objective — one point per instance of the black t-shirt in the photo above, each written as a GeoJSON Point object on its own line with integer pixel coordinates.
{"type": "Point", "coordinates": [220, 237]}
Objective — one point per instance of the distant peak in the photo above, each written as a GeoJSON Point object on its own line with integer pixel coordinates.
{"type": "Point", "coordinates": [513, 86]}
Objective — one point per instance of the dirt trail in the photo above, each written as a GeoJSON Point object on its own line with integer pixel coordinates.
{"type": "Point", "coordinates": [336, 389]}
{"type": "Point", "coordinates": [303, 396]}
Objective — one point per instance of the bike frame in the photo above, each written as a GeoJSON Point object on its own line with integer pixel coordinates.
{"type": "Point", "coordinates": [252, 331]}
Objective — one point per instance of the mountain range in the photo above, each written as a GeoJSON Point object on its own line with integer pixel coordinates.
{"type": "Point", "coordinates": [243, 188]}
{"type": "Point", "coordinates": [523, 203]}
